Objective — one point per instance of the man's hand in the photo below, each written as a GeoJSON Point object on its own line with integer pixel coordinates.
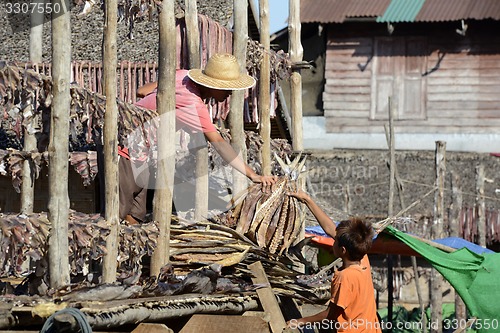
{"type": "Point", "coordinates": [266, 181]}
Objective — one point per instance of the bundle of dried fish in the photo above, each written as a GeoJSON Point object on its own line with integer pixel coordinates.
{"type": "Point", "coordinates": [273, 220]}
{"type": "Point", "coordinates": [280, 63]}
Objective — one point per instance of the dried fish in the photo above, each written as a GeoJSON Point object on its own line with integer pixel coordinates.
{"type": "Point", "coordinates": [273, 220]}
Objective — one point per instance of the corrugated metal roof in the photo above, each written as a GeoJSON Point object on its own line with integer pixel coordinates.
{"type": "Point", "coordinates": [453, 10]}
{"type": "Point", "coordinates": [401, 11]}
{"type": "Point", "coordinates": [337, 11]}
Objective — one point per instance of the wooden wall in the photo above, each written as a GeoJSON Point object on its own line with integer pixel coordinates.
{"type": "Point", "coordinates": [439, 81]}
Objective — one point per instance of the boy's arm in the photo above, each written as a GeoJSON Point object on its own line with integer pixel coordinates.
{"type": "Point", "coordinates": [332, 312]}
{"type": "Point", "coordinates": [324, 221]}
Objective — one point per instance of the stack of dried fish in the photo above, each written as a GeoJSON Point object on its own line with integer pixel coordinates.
{"type": "Point", "coordinates": [192, 246]}
{"type": "Point", "coordinates": [274, 219]}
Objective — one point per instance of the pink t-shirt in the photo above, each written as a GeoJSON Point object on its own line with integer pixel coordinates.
{"type": "Point", "coordinates": [190, 110]}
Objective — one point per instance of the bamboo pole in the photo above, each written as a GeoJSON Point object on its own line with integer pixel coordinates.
{"type": "Point", "coordinates": [235, 117]}
{"type": "Point", "coordinates": [480, 204]}
{"type": "Point", "coordinates": [399, 187]}
{"type": "Point", "coordinates": [165, 99]}
{"type": "Point", "coordinates": [296, 54]}
{"type": "Point", "coordinates": [193, 41]}
{"type": "Point", "coordinates": [456, 208]}
{"type": "Point", "coordinates": [58, 205]}
{"type": "Point", "coordinates": [390, 211]}
{"type": "Point", "coordinates": [110, 63]}
{"type": "Point", "coordinates": [36, 38]}
{"type": "Point", "coordinates": [265, 88]}
{"type": "Point", "coordinates": [437, 232]}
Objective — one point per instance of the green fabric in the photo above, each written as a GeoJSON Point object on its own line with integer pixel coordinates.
{"type": "Point", "coordinates": [475, 277]}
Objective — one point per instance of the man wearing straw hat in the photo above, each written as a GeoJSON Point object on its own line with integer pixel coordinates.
{"type": "Point", "coordinates": [193, 88]}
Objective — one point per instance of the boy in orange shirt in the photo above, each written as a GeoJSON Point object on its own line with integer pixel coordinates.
{"type": "Point", "coordinates": [352, 304]}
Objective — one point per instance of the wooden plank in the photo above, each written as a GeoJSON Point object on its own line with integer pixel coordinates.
{"type": "Point", "coordinates": [362, 126]}
{"type": "Point", "coordinates": [465, 87]}
{"type": "Point", "coordinates": [334, 89]}
{"type": "Point", "coordinates": [465, 72]}
{"type": "Point", "coordinates": [343, 66]}
{"type": "Point", "coordinates": [327, 97]}
{"type": "Point", "coordinates": [445, 122]}
{"type": "Point", "coordinates": [224, 324]}
{"type": "Point", "coordinates": [332, 77]}
{"type": "Point", "coordinates": [461, 105]}
{"type": "Point", "coordinates": [267, 298]}
{"type": "Point", "coordinates": [433, 81]}
{"type": "Point", "coordinates": [464, 97]}
{"type": "Point", "coordinates": [345, 82]}
{"type": "Point", "coordinates": [468, 62]}
{"type": "Point", "coordinates": [350, 113]}
{"type": "Point", "coordinates": [346, 106]}
{"type": "Point", "coordinates": [467, 114]}
{"type": "Point", "coordinates": [152, 328]}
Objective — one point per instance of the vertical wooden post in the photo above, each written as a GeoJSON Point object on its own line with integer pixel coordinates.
{"type": "Point", "coordinates": [480, 204]}
{"type": "Point", "coordinates": [296, 54]}
{"type": "Point", "coordinates": [456, 209]}
{"type": "Point", "coordinates": [165, 99]}
{"type": "Point", "coordinates": [36, 38]}
{"type": "Point", "coordinates": [390, 211]}
{"type": "Point", "coordinates": [193, 41]}
{"type": "Point", "coordinates": [240, 37]}
{"type": "Point", "coordinates": [437, 232]}
{"type": "Point", "coordinates": [413, 259]}
{"type": "Point", "coordinates": [110, 141]}
{"type": "Point", "coordinates": [265, 88]}
{"type": "Point", "coordinates": [58, 147]}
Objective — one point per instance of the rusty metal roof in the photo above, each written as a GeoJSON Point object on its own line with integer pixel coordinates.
{"type": "Point", "coordinates": [337, 11]}
{"type": "Point", "coordinates": [453, 10]}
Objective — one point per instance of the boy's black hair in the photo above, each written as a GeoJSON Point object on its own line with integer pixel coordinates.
{"type": "Point", "coordinates": [356, 236]}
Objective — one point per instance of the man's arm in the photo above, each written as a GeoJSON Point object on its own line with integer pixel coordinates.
{"type": "Point", "coordinates": [324, 220]}
{"type": "Point", "coordinates": [227, 152]}
{"type": "Point", "coordinates": [146, 89]}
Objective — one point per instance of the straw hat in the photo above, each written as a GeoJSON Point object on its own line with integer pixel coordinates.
{"type": "Point", "coordinates": [222, 72]}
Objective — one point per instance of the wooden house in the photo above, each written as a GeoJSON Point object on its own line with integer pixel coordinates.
{"type": "Point", "coordinates": [438, 61]}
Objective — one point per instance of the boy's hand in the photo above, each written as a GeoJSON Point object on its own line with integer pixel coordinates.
{"type": "Point", "coordinates": [300, 195]}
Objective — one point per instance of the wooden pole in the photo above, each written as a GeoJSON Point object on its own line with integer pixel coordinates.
{"type": "Point", "coordinates": [193, 41]}
{"type": "Point", "coordinates": [58, 206]}
{"type": "Point", "coordinates": [456, 208]}
{"type": "Point", "coordinates": [265, 88]}
{"type": "Point", "coordinates": [165, 99]}
{"type": "Point", "coordinates": [296, 54]}
{"type": "Point", "coordinates": [110, 137]}
{"type": "Point", "coordinates": [480, 204]}
{"type": "Point", "coordinates": [235, 117]}
{"type": "Point", "coordinates": [413, 258]}
{"type": "Point", "coordinates": [36, 38]}
{"type": "Point", "coordinates": [390, 212]}
{"type": "Point", "coordinates": [437, 232]}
